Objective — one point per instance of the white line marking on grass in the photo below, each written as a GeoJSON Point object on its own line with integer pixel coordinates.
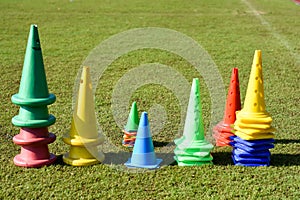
{"type": "Point", "coordinates": [268, 26]}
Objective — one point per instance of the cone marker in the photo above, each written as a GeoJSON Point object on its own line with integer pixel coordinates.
{"type": "Point", "coordinates": [253, 128]}
{"type": "Point", "coordinates": [84, 137]}
{"type": "Point", "coordinates": [131, 127]}
{"type": "Point", "coordinates": [223, 130]}
{"type": "Point", "coordinates": [192, 148]}
{"type": "Point", "coordinates": [143, 155]}
{"type": "Point", "coordinates": [33, 118]}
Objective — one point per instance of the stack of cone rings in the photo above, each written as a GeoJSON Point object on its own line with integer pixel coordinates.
{"type": "Point", "coordinates": [252, 127]}
{"type": "Point", "coordinates": [33, 118]}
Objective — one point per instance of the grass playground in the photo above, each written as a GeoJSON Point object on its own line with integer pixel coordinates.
{"type": "Point", "coordinates": [229, 31]}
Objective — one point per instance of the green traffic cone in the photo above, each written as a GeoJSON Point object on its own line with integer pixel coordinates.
{"type": "Point", "coordinates": [33, 96]}
{"type": "Point", "coordinates": [192, 148]}
{"type": "Point", "coordinates": [133, 119]}
{"type": "Point", "coordinates": [130, 130]}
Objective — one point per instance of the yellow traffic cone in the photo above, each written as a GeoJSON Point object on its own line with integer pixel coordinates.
{"type": "Point", "coordinates": [254, 109]}
{"type": "Point", "coordinates": [84, 137]}
{"type": "Point", "coordinates": [253, 121]}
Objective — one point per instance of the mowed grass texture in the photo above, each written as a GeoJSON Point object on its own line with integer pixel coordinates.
{"type": "Point", "coordinates": [230, 31]}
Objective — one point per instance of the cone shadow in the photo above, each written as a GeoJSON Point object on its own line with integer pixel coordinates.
{"type": "Point", "coordinates": [59, 160]}
{"type": "Point", "coordinates": [286, 141]}
{"type": "Point", "coordinates": [116, 158]}
{"type": "Point", "coordinates": [119, 158]}
{"type": "Point", "coordinates": [285, 160]}
{"type": "Point", "coordinates": [222, 158]}
{"type": "Point", "coordinates": [160, 144]}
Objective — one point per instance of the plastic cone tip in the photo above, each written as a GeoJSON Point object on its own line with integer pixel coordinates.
{"type": "Point", "coordinates": [233, 103]}
{"type": "Point", "coordinates": [133, 119]}
{"type": "Point", "coordinates": [34, 40]}
{"type": "Point", "coordinates": [33, 82]}
{"type": "Point", "coordinates": [254, 101]}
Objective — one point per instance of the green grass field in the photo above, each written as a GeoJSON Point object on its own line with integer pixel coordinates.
{"type": "Point", "coordinates": [230, 31]}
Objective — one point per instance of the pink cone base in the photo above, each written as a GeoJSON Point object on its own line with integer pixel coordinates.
{"type": "Point", "coordinates": [19, 161]}
{"type": "Point", "coordinates": [34, 147]}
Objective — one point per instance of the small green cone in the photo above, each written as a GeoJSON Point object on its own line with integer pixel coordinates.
{"type": "Point", "coordinates": [33, 96]}
{"type": "Point", "coordinates": [192, 148]}
{"type": "Point", "coordinates": [133, 119]}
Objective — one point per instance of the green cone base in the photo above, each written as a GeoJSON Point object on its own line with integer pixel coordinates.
{"type": "Point", "coordinates": [194, 153]}
{"type": "Point", "coordinates": [194, 159]}
{"type": "Point", "coordinates": [199, 145]}
{"type": "Point", "coordinates": [192, 163]}
{"type": "Point", "coordinates": [17, 121]}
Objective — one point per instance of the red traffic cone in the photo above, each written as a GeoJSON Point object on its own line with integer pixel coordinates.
{"type": "Point", "coordinates": [223, 130]}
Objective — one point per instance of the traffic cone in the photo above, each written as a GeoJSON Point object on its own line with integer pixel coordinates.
{"type": "Point", "coordinates": [33, 117]}
{"type": "Point", "coordinates": [84, 137]}
{"type": "Point", "coordinates": [33, 96]}
{"type": "Point", "coordinates": [253, 121]}
{"type": "Point", "coordinates": [252, 127]}
{"type": "Point", "coordinates": [131, 127]}
{"type": "Point", "coordinates": [223, 130]}
{"type": "Point", "coordinates": [192, 148]}
{"type": "Point", "coordinates": [143, 155]}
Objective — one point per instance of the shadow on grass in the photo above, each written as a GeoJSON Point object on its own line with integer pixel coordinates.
{"type": "Point", "coordinates": [59, 160]}
{"type": "Point", "coordinates": [285, 159]}
{"type": "Point", "coordinates": [222, 158]}
{"type": "Point", "coordinates": [119, 158]}
{"type": "Point", "coordinates": [286, 141]}
{"type": "Point", "coordinates": [160, 144]}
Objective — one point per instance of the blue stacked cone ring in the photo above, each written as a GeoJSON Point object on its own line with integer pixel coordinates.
{"type": "Point", "coordinates": [251, 152]}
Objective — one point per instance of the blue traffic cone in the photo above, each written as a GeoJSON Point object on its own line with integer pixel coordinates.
{"type": "Point", "coordinates": [143, 155]}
